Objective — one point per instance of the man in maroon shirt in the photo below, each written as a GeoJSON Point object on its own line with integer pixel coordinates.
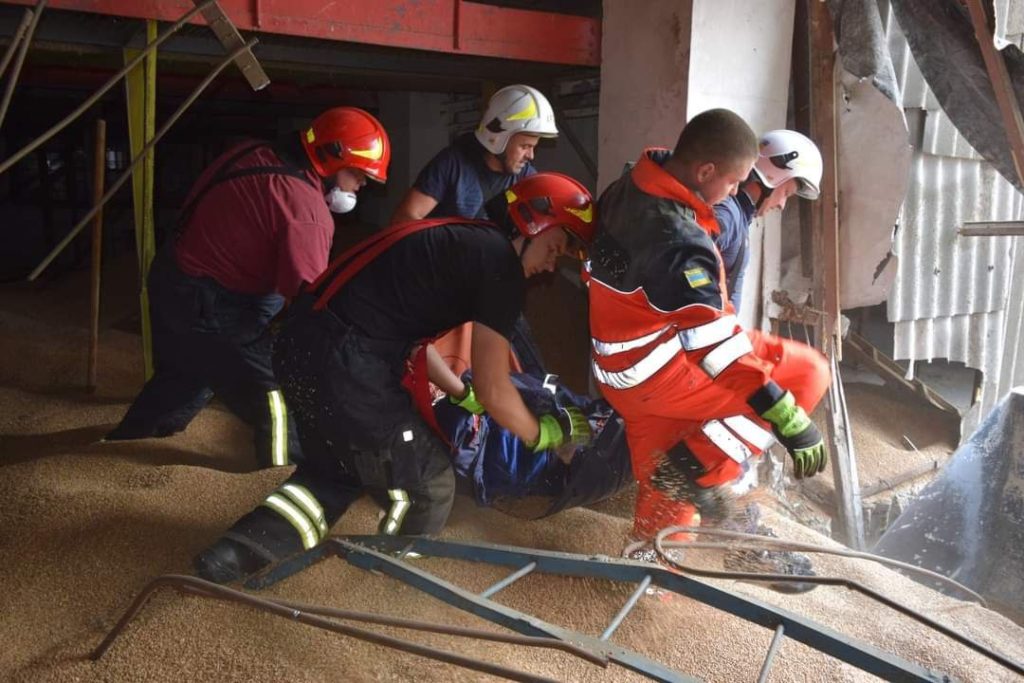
{"type": "Point", "coordinates": [255, 226]}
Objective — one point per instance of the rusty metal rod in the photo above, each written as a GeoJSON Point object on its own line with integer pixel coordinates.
{"type": "Point", "coordinates": [63, 123]}
{"type": "Point", "coordinates": [135, 162]}
{"type": "Point", "coordinates": [399, 622]}
{"type": "Point", "coordinates": [19, 61]}
{"type": "Point", "coordinates": [192, 584]}
{"type": "Point", "coordinates": [782, 544]}
{"type": "Point", "coordinates": [26, 18]}
{"type": "Point", "coordinates": [832, 581]}
{"type": "Point", "coordinates": [98, 180]}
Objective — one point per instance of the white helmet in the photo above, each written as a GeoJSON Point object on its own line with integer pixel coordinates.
{"type": "Point", "coordinates": [515, 109]}
{"type": "Point", "coordinates": [787, 154]}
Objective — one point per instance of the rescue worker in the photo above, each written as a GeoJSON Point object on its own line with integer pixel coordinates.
{"type": "Point", "coordinates": [692, 386]}
{"type": "Point", "coordinates": [462, 178]}
{"type": "Point", "coordinates": [788, 164]}
{"type": "Point", "coordinates": [255, 226]}
{"type": "Point", "coordinates": [342, 355]}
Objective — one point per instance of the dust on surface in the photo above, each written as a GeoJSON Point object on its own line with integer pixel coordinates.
{"type": "Point", "coordinates": [85, 526]}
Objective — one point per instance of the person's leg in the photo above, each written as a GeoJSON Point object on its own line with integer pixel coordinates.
{"type": "Point", "coordinates": [244, 380]}
{"type": "Point", "coordinates": [295, 517]}
{"type": "Point", "coordinates": [416, 500]}
{"type": "Point", "coordinates": [798, 368]}
{"type": "Point", "coordinates": [177, 391]}
{"type": "Point", "coordinates": [299, 513]}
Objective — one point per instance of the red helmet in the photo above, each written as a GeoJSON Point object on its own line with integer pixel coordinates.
{"type": "Point", "coordinates": [543, 201]}
{"type": "Point", "coordinates": [346, 137]}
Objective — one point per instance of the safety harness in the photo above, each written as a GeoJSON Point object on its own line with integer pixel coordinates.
{"type": "Point", "coordinates": [225, 173]}
{"type": "Point", "coordinates": [349, 263]}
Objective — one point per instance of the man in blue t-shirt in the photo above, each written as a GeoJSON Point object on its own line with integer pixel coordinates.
{"type": "Point", "coordinates": [788, 163]}
{"type": "Point", "coordinates": [461, 178]}
{"type": "Point", "coordinates": [478, 166]}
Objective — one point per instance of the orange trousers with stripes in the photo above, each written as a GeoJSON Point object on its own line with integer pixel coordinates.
{"type": "Point", "coordinates": [671, 412]}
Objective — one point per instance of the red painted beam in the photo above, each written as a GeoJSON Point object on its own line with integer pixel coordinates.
{"type": "Point", "coordinates": [454, 26]}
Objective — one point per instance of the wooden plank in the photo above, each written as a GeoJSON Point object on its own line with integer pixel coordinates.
{"type": "Point", "coordinates": [991, 229]}
{"type": "Point", "coordinates": [849, 503]}
{"type": "Point", "coordinates": [910, 475]}
{"type": "Point", "coordinates": [1002, 86]}
{"type": "Point", "coordinates": [825, 214]}
{"type": "Point", "coordinates": [98, 185]}
{"type": "Point", "coordinates": [891, 371]}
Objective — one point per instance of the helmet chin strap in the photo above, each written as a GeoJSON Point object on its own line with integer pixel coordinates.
{"type": "Point", "coordinates": [765, 191]}
{"type": "Point", "coordinates": [526, 245]}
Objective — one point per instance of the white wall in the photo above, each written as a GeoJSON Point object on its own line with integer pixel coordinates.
{"type": "Point", "coordinates": [645, 56]}
{"type": "Point", "coordinates": [664, 62]}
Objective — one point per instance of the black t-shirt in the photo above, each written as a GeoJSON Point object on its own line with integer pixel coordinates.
{"type": "Point", "coordinates": [434, 280]}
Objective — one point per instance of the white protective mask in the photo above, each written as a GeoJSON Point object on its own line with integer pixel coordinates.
{"type": "Point", "coordinates": [339, 201]}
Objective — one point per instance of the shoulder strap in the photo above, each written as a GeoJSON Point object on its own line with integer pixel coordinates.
{"type": "Point", "coordinates": [347, 264]}
{"type": "Point", "coordinates": [225, 174]}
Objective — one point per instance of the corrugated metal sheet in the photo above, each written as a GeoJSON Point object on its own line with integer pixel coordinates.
{"type": "Point", "coordinates": [940, 273]}
{"type": "Point", "coordinates": [954, 297]}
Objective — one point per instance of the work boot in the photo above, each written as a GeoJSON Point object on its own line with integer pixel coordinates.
{"type": "Point", "coordinates": [773, 562]}
{"type": "Point", "coordinates": [229, 560]}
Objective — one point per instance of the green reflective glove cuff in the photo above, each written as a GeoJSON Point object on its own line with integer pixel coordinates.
{"type": "Point", "coordinates": [468, 402]}
{"type": "Point", "coordinates": [550, 436]}
{"type": "Point", "coordinates": [789, 418]}
{"type": "Point", "coordinates": [575, 426]}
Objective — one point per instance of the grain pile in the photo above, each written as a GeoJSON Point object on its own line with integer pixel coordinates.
{"type": "Point", "coordinates": [84, 526]}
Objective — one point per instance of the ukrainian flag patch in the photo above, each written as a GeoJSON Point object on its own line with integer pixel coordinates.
{"type": "Point", "coordinates": [697, 277]}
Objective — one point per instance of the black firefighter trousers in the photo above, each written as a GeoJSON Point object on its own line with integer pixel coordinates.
{"type": "Point", "coordinates": [360, 434]}
{"type": "Point", "coordinates": [210, 341]}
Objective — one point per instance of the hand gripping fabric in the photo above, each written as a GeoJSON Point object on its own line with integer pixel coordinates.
{"type": "Point", "coordinates": [568, 425]}
{"type": "Point", "coordinates": [794, 430]}
{"type": "Point", "coordinates": [468, 402]}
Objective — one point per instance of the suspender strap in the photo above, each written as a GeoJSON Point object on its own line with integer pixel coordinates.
{"type": "Point", "coordinates": [225, 174]}
{"type": "Point", "coordinates": [348, 264]}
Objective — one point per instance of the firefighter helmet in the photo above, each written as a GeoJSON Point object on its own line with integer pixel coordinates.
{"type": "Point", "coordinates": [544, 201]}
{"type": "Point", "coordinates": [347, 137]}
{"type": "Point", "coordinates": [515, 109]}
{"type": "Point", "coordinates": [786, 154]}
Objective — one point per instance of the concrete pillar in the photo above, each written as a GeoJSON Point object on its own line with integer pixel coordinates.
{"type": "Point", "coordinates": [418, 129]}
{"type": "Point", "coordinates": [645, 59]}
{"type": "Point", "coordinates": [664, 61]}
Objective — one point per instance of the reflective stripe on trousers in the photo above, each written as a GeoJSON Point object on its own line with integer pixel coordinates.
{"type": "Point", "coordinates": [303, 511]}
{"type": "Point", "coordinates": [400, 504]}
{"type": "Point", "coordinates": [278, 429]}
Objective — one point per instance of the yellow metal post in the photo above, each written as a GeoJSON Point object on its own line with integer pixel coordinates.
{"type": "Point", "coordinates": [141, 96]}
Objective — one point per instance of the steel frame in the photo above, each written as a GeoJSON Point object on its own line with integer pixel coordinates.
{"type": "Point", "coordinates": [454, 26]}
{"type": "Point", "coordinates": [384, 554]}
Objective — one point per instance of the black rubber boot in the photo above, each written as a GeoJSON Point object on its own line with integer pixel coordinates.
{"type": "Point", "coordinates": [228, 560]}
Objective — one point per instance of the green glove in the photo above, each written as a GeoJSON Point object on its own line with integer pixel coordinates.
{"type": "Point", "coordinates": [797, 433]}
{"type": "Point", "coordinates": [568, 425]}
{"type": "Point", "coordinates": [468, 402]}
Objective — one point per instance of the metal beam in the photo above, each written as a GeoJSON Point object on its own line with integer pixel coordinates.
{"type": "Point", "coordinates": [356, 550]}
{"type": "Point", "coordinates": [991, 229]}
{"type": "Point", "coordinates": [451, 26]}
{"type": "Point", "coordinates": [844, 463]}
{"type": "Point", "coordinates": [231, 39]}
{"type": "Point", "coordinates": [891, 371]}
{"type": "Point", "coordinates": [1002, 86]}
